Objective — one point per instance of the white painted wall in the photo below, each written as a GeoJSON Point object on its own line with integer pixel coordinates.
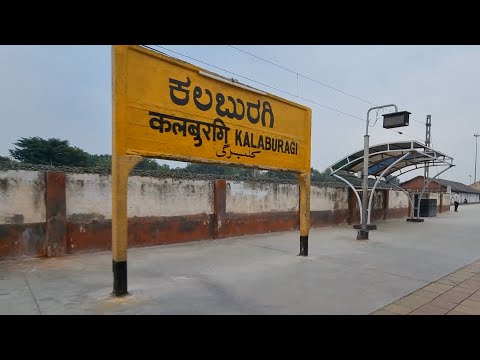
{"type": "Point", "coordinates": [474, 198]}
{"type": "Point", "coordinates": [446, 199]}
{"type": "Point", "coordinates": [22, 196]}
{"type": "Point", "coordinates": [328, 198]}
{"type": "Point", "coordinates": [377, 201]}
{"type": "Point", "coordinates": [89, 194]}
{"type": "Point", "coordinates": [471, 198]}
{"type": "Point", "coordinates": [147, 196]}
{"type": "Point", "coordinates": [257, 197]}
{"type": "Point", "coordinates": [434, 196]}
{"type": "Point", "coordinates": [397, 200]}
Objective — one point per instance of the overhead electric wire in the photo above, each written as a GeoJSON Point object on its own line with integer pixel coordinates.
{"type": "Point", "coordinates": [272, 87]}
{"type": "Point", "coordinates": [304, 76]}
{"type": "Point", "coordinates": [309, 78]}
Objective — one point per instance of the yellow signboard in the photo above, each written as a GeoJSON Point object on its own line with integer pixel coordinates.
{"type": "Point", "coordinates": [167, 108]}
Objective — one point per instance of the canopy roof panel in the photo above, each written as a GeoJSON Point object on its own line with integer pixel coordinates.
{"type": "Point", "coordinates": [383, 155]}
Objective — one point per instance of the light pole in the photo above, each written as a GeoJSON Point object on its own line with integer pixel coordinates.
{"type": "Point", "coordinates": [363, 232]}
{"type": "Point", "coordinates": [470, 179]}
{"type": "Point", "coordinates": [391, 120]}
{"type": "Point", "coordinates": [476, 138]}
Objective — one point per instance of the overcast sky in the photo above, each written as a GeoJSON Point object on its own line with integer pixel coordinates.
{"type": "Point", "coordinates": [65, 92]}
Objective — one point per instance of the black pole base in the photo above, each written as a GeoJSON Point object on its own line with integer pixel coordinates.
{"type": "Point", "coordinates": [369, 226]}
{"type": "Point", "coordinates": [119, 278]}
{"type": "Point", "coordinates": [303, 246]}
{"type": "Point", "coordinates": [362, 235]}
{"type": "Point", "coordinates": [415, 220]}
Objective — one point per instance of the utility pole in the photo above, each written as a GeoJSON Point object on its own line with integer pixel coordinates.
{"type": "Point", "coordinates": [476, 138]}
{"type": "Point", "coordinates": [428, 126]}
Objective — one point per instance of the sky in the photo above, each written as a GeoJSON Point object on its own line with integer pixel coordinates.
{"type": "Point", "coordinates": [65, 92]}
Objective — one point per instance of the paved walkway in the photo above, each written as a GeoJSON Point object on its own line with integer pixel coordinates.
{"type": "Point", "coordinates": [262, 274]}
{"type": "Point", "coordinates": [455, 294]}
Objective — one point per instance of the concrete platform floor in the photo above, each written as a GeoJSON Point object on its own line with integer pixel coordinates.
{"type": "Point", "coordinates": [259, 274]}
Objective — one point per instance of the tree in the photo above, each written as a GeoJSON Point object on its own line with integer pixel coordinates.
{"type": "Point", "coordinates": [321, 176]}
{"type": "Point", "coordinates": [147, 164]}
{"type": "Point", "coordinates": [56, 152]}
{"type": "Point", "coordinates": [211, 169]}
{"type": "Point", "coordinates": [102, 161]}
{"type": "Point", "coordinates": [4, 159]}
{"type": "Point", "coordinates": [105, 161]}
{"type": "Point", "coordinates": [281, 175]}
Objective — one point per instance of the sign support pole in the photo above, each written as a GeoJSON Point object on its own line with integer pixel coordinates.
{"type": "Point", "coordinates": [304, 187]}
{"type": "Point", "coordinates": [121, 167]}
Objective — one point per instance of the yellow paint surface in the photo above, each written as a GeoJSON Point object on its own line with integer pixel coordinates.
{"type": "Point", "coordinates": [121, 167]}
{"type": "Point", "coordinates": [166, 108]}
{"type": "Point", "coordinates": [304, 187]}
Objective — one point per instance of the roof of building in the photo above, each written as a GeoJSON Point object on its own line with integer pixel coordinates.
{"type": "Point", "coordinates": [454, 185]}
{"type": "Point", "coordinates": [457, 186]}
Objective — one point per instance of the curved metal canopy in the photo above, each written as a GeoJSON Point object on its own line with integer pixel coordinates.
{"type": "Point", "coordinates": [402, 155]}
{"type": "Point", "coordinates": [387, 159]}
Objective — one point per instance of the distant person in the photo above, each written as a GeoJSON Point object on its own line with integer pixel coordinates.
{"type": "Point", "coordinates": [465, 201]}
{"type": "Point", "coordinates": [456, 201]}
